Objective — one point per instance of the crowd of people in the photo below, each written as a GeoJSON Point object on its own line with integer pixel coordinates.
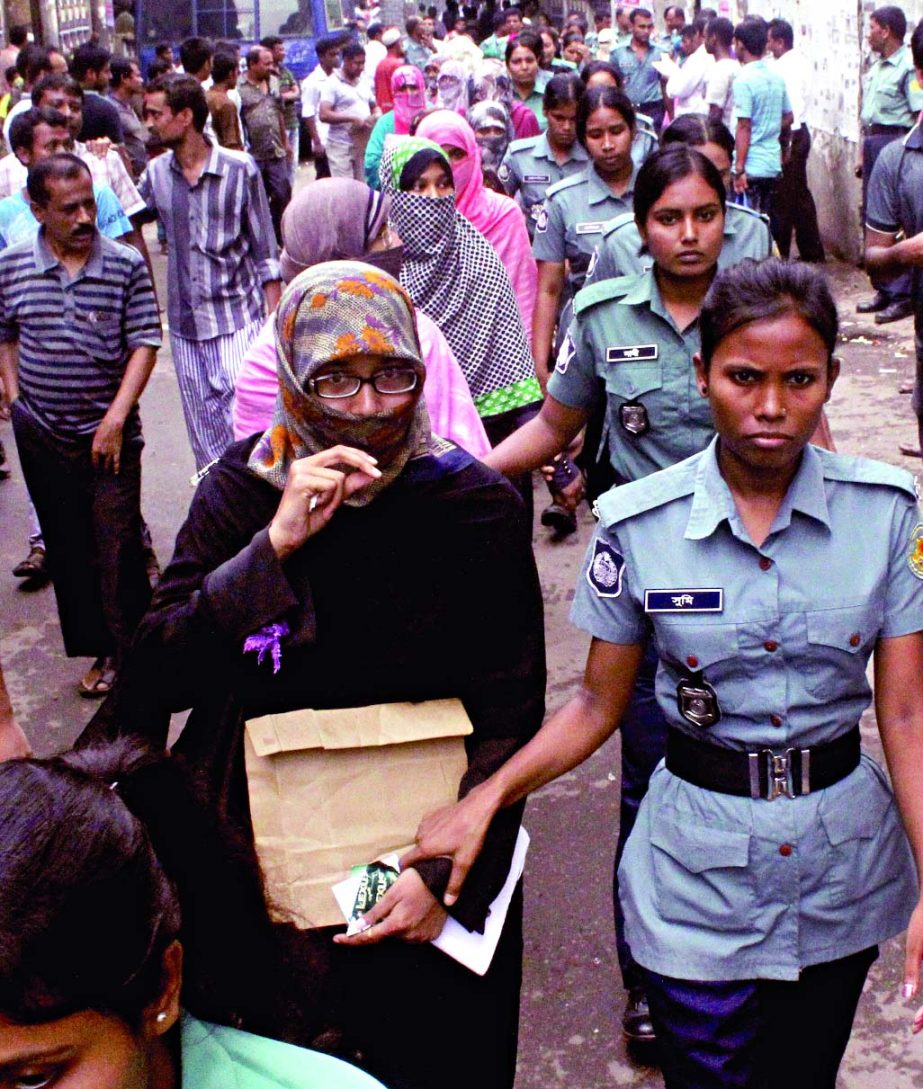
{"type": "Point", "coordinates": [520, 247]}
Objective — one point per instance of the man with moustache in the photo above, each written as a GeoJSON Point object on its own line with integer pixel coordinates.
{"type": "Point", "coordinates": [79, 333]}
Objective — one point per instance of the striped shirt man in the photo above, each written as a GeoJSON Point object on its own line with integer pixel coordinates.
{"type": "Point", "coordinates": [75, 335]}
{"type": "Point", "coordinates": [222, 256]}
{"type": "Point", "coordinates": [222, 245]}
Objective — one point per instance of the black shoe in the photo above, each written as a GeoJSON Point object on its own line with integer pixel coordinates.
{"type": "Point", "coordinates": [894, 312]}
{"type": "Point", "coordinates": [561, 520]}
{"type": "Point", "coordinates": [34, 566]}
{"type": "Point", "coordinates": [877, 302]}
{"type": "Point", "coordinates": [636, 1020]}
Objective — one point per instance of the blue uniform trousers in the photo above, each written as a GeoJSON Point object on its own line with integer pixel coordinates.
{"type": "Point", "coordinates": [644, 742]}
{"type": "Point", "coordinates": [757, 1034]}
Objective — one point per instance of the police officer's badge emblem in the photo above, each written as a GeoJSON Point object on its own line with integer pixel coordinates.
{"type": "Point", "coordinates": [915, 554]}
{"type": "Point", "coordinates": [633, 418]}
{"type": "Point", "coordinates": [697, 701]}
{"type": "Point", "coordinates": [541, 219]}
{"type": "Point", "coordinates": [605, 570]}
{"type": "Point", "coordinates": [503, 173]}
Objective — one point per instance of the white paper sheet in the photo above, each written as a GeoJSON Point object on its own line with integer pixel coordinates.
{"type": "Point", "coordinates": [475, 951]}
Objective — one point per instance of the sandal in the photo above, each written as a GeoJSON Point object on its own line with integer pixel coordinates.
{"type": "Point", "coordinates": [34, 566]}
{"type": "Point", "coordinates": [98, 679]}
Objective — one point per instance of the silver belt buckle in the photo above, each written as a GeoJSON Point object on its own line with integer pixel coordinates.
{"type": "Point", "coordinates": [779, 774]}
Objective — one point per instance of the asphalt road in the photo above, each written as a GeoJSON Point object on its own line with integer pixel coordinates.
{"type": "Point", "coordinates": [571, 995]}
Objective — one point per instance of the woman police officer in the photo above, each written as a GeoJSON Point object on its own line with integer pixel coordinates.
{"type": "Point", "coordinates": [768, 858]}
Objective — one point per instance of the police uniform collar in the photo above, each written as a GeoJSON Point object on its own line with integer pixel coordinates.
{"type": "Point", "coordinates": [712, 502]}
{"type": "Point", "coordinates": [598, 191]}
{"type": "Point", "coordinates": [894, 57]}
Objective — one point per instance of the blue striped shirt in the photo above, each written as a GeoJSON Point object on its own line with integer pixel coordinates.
{"type": "Point", "coordinates": [222, 243]}
{"type": "Point", "coordinates": [75, 335]}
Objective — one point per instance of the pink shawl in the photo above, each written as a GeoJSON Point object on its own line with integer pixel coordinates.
{"type": "Point", "coordinates": [497, 217]}
{"type": "Point", "coordinates": [448, 398]}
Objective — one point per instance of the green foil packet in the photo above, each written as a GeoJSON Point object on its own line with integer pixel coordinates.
{"type": "Point", "coordinates": [377, 878]}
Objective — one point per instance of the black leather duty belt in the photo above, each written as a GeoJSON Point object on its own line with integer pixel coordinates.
{"type": "Point", "coordinates": [763, 773]}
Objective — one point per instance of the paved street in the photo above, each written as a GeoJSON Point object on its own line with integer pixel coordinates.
{"type": "Point", "coordinates": [571, 1001]}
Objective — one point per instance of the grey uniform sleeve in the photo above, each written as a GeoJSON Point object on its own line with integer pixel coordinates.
{"type": "Point", "coordinates": [882, 211]}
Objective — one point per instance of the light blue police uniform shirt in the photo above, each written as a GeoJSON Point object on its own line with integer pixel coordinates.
{"type": "Point", "coordinates": [529, 168]}
{"type": "Point", "coordinates": [17, 223]}
{"type": "Point", "coordinates": [641, 80]}
{"type": "Point", "coordinates": [623, 338]}
{"type": "Point", "coordinates": [759, 93]}
{"type": "Point", "coordinates": [707, 892]}
{"type": "Point", "coordinates": [619, 252]}
{"type": "Point", "coordinates": [571, 221]}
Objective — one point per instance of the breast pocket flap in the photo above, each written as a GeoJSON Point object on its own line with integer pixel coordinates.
{"type": "Point", "coordinates": [697, 646]}
{"type": "Point", "coordinates": [629, 380]}
{"type": "Point", "coordinates": [844, 822]}
{"type": "Point", "coordinates": [698, 848]}
{"type": "Point", "coordinates": [848, 629]}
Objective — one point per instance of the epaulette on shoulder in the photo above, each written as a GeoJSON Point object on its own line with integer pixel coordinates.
{"type": "Point", "coordinates": [856, 470]}
{"type": "Point", "coordinates": [525, 143]}
{"type": "Point", "coordinates": [603, 291]}
{"type": "Point", "coordinates": [618, 223]}
{"type": "Point", "coordinates": [648, 493]}
{"type": "Point", "coordinates": [566, 183]}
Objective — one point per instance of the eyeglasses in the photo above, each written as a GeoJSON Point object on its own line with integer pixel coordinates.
{"type": "Point", "coordinates": [338, 384]}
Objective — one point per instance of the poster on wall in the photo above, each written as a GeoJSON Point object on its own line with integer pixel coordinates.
{"type": "Point", "coordinates": [832, 38]}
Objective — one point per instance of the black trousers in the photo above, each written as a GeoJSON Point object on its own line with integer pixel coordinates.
{"type": "Point", "coordinates": [91, 522]}
{"type": "Point", "coordinates": [795, 209]}
{"type": "Point", "coordinates": [276, 181]}
{"type": "Point", "coordinates": [500, 427]}
{"type": "Point", "coordinates": [757, 1034]}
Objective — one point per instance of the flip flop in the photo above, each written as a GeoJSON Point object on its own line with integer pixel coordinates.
{"type": "Point", "coordinates": [98, 680]}
{"type": "Point", "coordinates": [910, 451]}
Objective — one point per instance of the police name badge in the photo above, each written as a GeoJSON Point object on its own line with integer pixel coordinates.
{"type": "Point", "coordinates": [915, 554]}
{"type": "Point", "coordinates": [536, 177]}
{"type": "Point", "coordinates": [697, 701]}
{"type": "Point", "coordinates": [541, 219]}
{"type": "Point", "coordinates": [633, 418]}
{"type": "Point", "coordinates": [590, 228]}
{"type": "Point", "coordinates": [605, 571]}
{"type": "Point", "coordinates": [632, 353]}
{"type": "Point", "coordinates": [699, 600]}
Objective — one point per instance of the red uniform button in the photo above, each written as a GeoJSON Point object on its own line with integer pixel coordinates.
{"type": "Point", "coordinates": [765, 563]}
{"type": "Point", "coordinates": [770, 645]}
{"type": "Point", "coordinates": [775, 720]}
{"type": "Point", "coordinates": [855, 639]}
{"type": "Point", "coordinates": [785, 850]}
{"type": "Point", "coordinates": [692, 661]}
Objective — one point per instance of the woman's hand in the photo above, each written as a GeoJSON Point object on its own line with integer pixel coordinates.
{"type": "Point", "coordinates": [313, 493]}
{"type": "Point", "coordinates": [456, 832]}
{"type": "Point", "coordinates": [913, 955]}
{"type": "Point", "coordinates": [408, 910]}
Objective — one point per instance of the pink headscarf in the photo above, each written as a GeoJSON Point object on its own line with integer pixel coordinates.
{"type": "Point", "coordinates": [449, 129]}
{"type": "Point", "coordinates": [407, 106]}
{"type": "Point", "coordinates": [497, 217]}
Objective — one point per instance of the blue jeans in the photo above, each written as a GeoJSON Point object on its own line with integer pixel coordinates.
{"type": "Point", "coordinates": [644, 743]}
{"type": "Point", "coordinates": [757, 1034]}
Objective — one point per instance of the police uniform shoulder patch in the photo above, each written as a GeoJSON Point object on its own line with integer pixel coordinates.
{"type": "Point", "coordinates": [605, 570]}
{"type": "Point", "coordinates": [566, 354]}
{"type": "Point", "coordinates": [915, 552]}
{"type": "Point", "coordinates": [504, 173]}
{"type": "Point", "coordinates": [540, 215]}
